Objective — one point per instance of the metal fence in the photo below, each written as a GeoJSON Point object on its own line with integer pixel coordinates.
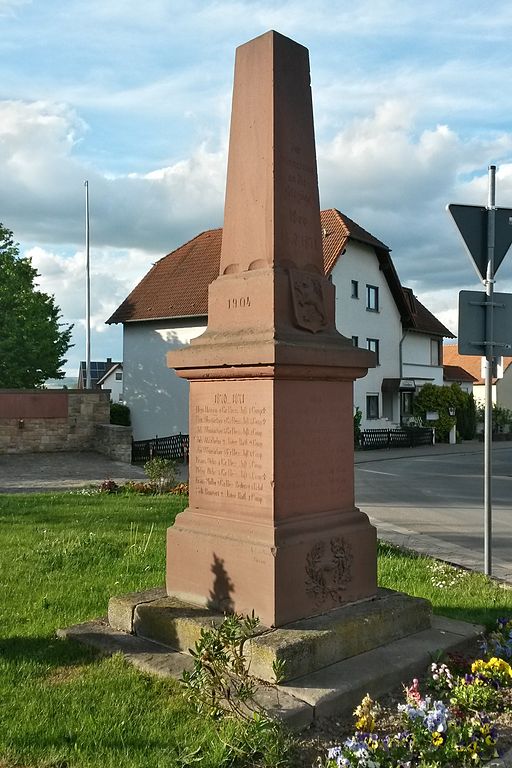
{"type": "Point", "coordinates": [407, 437]}
{"type": "Point", "coordinates": [172, 447]}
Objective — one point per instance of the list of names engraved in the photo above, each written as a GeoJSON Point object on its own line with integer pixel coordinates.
{"type": "Point", "coordinates": [229, 457]}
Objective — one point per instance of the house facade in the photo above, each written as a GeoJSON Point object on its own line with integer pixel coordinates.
{"type": "Point", "coordinates": [112, 379]}
{"type": "Point", "coordinates": [169, 307]}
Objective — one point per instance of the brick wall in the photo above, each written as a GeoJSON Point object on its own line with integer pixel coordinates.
{"type": "Point", "coordinates": [33, 421]}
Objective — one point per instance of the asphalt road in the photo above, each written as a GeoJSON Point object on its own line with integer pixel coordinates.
{"type": "Point", "coordinates": [435, 504]}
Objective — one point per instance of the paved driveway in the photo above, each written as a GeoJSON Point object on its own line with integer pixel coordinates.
{"type": "Point", "coordinates": [32, 472]}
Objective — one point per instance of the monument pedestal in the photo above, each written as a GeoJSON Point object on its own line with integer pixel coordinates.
{"type": "Point", "coordinates": [271, 525]}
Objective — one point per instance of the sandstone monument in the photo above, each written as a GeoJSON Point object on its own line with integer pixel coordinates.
{"type": "Point", "coordinates": [271, 525]}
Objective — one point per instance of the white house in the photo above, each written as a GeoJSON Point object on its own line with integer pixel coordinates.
{"type": "Point", "coordinates": [169, 307]}
{"type": "Point", "coordinates": [113, 379]}
{"type": "Point", "coordinates": [105, 374]}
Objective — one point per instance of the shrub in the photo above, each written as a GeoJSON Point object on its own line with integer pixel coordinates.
{"type": "Point", "coordinates": [161, 473]}
{"type": "Point", "coordinates": [120, 414]}
{"type": "Point", "coordinates": [466, 416]}
{"type": "Point", "coordinates": [439, 399]}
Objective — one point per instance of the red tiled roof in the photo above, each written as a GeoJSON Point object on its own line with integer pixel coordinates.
{"type": "Point", "coordinates": [471, 363]}
{"type": "Point", "coordinates": [421, 319]}
{"type": "Point", "coordinates": [456, 373]}
{"type": "Point", "coordinates": [177, 285]}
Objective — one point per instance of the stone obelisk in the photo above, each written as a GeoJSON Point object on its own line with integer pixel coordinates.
{"type": "Point", "coordinates": [271, 525]}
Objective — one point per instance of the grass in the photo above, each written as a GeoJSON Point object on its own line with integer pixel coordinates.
{"type": "Point", "coordinates": [61, 557]}
{"type": "Point", "coordinates": [453, 592]}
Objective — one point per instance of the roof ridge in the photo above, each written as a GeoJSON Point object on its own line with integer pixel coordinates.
{"type": "Point", "coordinates": [187, 242]}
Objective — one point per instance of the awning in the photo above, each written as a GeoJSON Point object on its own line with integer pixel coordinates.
{"type": "Point", "coordinates": [390, 385]}
{"type": "Point", "coordinates": [398, 385]}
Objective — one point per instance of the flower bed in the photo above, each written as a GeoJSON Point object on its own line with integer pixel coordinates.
{"type": "Point", "coordinates": [451, 719]}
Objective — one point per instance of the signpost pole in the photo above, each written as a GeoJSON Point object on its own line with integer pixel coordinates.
{"type": "Point", "coordinates": [489, 348]}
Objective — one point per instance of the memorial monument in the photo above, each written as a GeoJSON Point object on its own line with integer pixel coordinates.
{"type": "Point", "coordinates": [271, 525]}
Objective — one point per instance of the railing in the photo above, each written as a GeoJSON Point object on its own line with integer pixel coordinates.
{"type": "Point", "coordinates": [172, 447]}
{"type": "Point", "coordinates": [406, 437]}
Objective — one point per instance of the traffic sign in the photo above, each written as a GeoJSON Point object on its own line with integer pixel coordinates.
{"type": "Point", "coordinates": [471, 221]}
{"type": "Point", "coordinates": [472, 318]}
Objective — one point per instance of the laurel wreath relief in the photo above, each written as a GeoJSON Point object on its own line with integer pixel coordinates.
{"type": "Point", "coordinates": [329, 570]}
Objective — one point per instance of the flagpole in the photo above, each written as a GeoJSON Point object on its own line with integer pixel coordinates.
{"type": "Point", "coordinates": [87, 294]}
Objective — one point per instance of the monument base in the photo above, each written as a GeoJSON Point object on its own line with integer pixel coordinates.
{"type": "Point", "coordinates": [303, 647]}
{"type": "Point", "coordinates": [299, 569]}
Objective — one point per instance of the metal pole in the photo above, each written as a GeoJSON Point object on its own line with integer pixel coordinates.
{"type": "Point", "coordinates": [489, 337]}
{"type": "Point", "coordinates": [87, 294]}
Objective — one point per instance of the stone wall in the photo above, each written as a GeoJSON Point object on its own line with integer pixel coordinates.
{"type": "Point", "coordinates": [114, 441]}
{"type": "Point", "coordinates": [33, 421]}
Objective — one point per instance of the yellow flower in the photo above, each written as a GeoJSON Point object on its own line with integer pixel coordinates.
{"type": "Point", "coordinates": [366, 713]}
{"type": "Point", "coordinates": [437, 739]}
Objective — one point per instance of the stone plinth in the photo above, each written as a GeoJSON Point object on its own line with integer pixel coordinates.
{"type": "Point", "coordinates": [271, 525]}
{"type": "Point", "coordinates": [302, 648]}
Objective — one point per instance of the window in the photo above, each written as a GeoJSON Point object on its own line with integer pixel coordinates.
{"type": "Point", "coordinates": [355, 289]}
{"type": "Point", "coordinates": [372, 298]}
{"type": "Point", "coordinates": [120, 398]}
{"type": "Point", "coordinates": [355, 341]}
{"type": "Point", "coordinates": [435, 352]}
{"type": "Point", "coordinates": [372, 406]}
{"type": "Point", "coordinates": [373, 346]}
{"type": "Point", "coordinates": [119, 376]}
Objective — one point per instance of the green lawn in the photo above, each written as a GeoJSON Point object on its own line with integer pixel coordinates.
{"type": "Point", "coordinates": [61, 557]}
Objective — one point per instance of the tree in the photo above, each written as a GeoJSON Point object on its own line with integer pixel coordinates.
{"type": "Point", "coordinates": [33, 341]}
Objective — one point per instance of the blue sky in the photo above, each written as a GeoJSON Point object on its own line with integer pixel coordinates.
{"type": "Point", "coordinates": [412, 103]}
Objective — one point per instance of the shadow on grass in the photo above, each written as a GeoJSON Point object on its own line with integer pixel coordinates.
{"type": "Point", "coordinates": [50, 651]}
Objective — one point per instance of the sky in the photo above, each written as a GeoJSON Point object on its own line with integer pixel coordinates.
{"type": "Point", "coordinates": [412, 103]}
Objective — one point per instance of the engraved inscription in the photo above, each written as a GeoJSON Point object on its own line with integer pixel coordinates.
{"type": "Point", "coordinates": [297, 192]}
{"type": "Point", "coordinates": [229, 462]}
{"type": "Point", "coordinates": [329, 571]}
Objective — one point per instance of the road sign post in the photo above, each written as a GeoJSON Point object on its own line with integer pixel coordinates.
{"type": "Point", "coordinates": [487, 235]}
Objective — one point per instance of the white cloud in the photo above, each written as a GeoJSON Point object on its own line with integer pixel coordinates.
{"type": "Point", "coordinates": [9, 7]}
{"type": "Point", "coordinates": [42, 192]}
